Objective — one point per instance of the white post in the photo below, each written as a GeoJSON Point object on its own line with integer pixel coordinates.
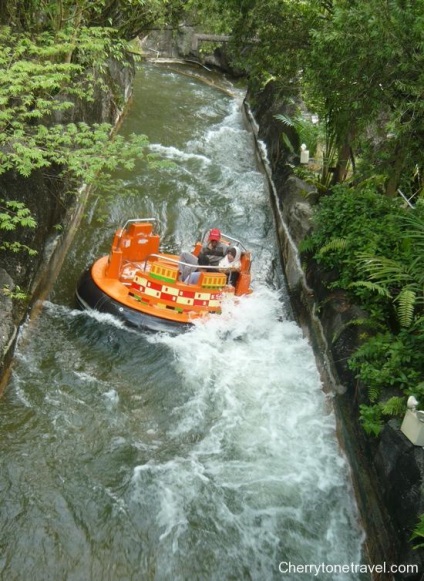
{"type": "Point", "coordinates": [304, 154]}
{"type": "Point", "coordinates": [413, 423]}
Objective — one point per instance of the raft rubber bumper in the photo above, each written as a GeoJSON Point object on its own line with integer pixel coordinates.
{"type": "Point", "coordinates": [89, 296]}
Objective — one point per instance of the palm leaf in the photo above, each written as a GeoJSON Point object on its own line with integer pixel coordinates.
{"type": "Point", "coordinates": [417, 267]}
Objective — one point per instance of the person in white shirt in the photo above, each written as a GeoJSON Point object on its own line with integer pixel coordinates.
{"type": "Point", "coordinates": [231, 265]}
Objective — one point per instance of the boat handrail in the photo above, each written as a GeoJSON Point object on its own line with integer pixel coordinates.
{"type": "Point", "coordinates": [242, 246]}
{"type": "Point", "coordinates": [178, 262]}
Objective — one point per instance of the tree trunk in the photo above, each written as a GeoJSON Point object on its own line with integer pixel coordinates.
{"type": "Point", "coordinates": [393, 180]}
{"type": "Point", "coordinates": [340, 171]}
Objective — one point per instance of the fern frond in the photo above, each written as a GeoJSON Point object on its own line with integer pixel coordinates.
{"type": "Point", "coordinates": [306, 245]}
{"type": "Point", "coordinates": [334, 244]}
{"type": "Point", "coordinates": [370, 417]}
{"type": "Point", "coordinates": [373, 393]}
{"type": "Point", "coordinates": [373, 286]}
{"type": "Point", "coordinates": [385, 270]}
{"type": "Point", "coordinates": [406, 306]}
{"type": "Point", "coordinates": [395, 406]}
{"type": "Point", "coordinates": [418, 533]}
{"type": "Point", "coordinates": [284, 119]}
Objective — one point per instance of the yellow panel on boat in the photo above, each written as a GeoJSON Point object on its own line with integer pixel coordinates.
{"type": "Point", "coordinates": [185, 301]}
{"type": "Point", "coordinates": [170, 290]}
{"type": "Point", "coordinates": [141, 280]}
{"type": "Point", "coordinates": [202, 296]}
{"type": "Point", "coordinates": [212, 280]}
{"type": "Point", "coordinates": [164, 271]}
{"type": "Point", "coordinates": [152, 292]}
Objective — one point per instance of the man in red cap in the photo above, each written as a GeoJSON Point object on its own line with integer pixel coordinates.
{"type": "Point", "coordinates": [214, 249]}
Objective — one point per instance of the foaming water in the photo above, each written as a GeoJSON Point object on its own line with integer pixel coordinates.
{"type": "Point", "coordinates": [259, 477]}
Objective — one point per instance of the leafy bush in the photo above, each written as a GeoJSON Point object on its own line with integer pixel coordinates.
{"type": "Point", "coordinates": [375, 246]}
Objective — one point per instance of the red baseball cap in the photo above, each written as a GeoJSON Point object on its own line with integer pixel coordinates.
{"type": "Point", "coordinates": [215, 234]}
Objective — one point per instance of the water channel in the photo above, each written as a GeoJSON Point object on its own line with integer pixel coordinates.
{"type": "Point", "coordinates": [210, 455]}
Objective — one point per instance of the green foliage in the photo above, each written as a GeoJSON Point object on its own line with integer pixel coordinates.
{"type": "Point", "coordinates": [14, 215]}
{"type": "Point", "coordinates": [50, 61]}
{"type": "Point", "coordinates": [16, 293]}
{"type": "Point", "coordinates": [388, 360]}
{"type": "Point", "coordinates": [371, 104]}
{"type": "Point", "coordinates": [402, 277]}
{"type": "Point", "coordinates": [38, 86]}
{"type": "Point", "coordinates": [395, 406]}
{"type": "Point", "coordinates": [418, 534]}
{"type": "Point", "coordinates": [128, 17]}
{"type": "Point", "coordinates": [333, 245]}
{"type": "Point", "coordinates": [371, 419]}
{"type": "Point", "coordinates": [372, 286]}
{"type": "Point", "coordinates": [350, 221]}
{"type": "Point", "coordinates": [269, 37]}
{"type": "Point", "coordinates": [87, 153]}
{"type": "Point", "coordinates": [374, 101]}
{"type": "Point", "coordinates": [372, 416]}
{"type": "Point", "coordinates": [308, 132]}
{"type": "Point", "coordinates": [374, 248]}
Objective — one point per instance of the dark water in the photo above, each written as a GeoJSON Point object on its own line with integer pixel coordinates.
{"type": "Point", "coordinates": [211, 455]}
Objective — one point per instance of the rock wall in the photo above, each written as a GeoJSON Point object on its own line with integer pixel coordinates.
{"type": "Point", "coordinates": [187, 44]}
{"type": "Point", "coordinates": [388, 473]}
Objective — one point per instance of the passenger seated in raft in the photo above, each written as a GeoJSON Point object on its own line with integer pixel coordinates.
{"type": "Point", "coordinates": [214, 249]}
{"type": "Point", "coordinates": [203, 263]}
{"type": "Point", "coordinates": [231, 265]}
{"type": "Point", "coordinates": [185, 270]}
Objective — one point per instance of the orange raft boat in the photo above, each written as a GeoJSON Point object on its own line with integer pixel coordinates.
{"type": "Point", "coordinates": [141, 286]}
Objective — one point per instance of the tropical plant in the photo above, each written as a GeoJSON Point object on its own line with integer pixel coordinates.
{"type": "Point", "coordinates": [128, 17]}
{"type": "Point", "coordinates": [387, 360]}
{"type": "Point", "coordinates": [356, 230]}
{"type": "Point", "coordinates": [401, 278]}
{"type": "Point", "coordinates": [352, 220]}
{"type": "Point", "coordinates": [43, 76]}
{"type": "Point", "coordinates": [418, 534]}
{"type": "Point", "coordinates": [307, 131]}
{"type": "Point", "coordinates": [15, 215]}
{"type": "Point", "coordinates": [373, 101]}
{"type": "Point", "coordinates": [38, 88]}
